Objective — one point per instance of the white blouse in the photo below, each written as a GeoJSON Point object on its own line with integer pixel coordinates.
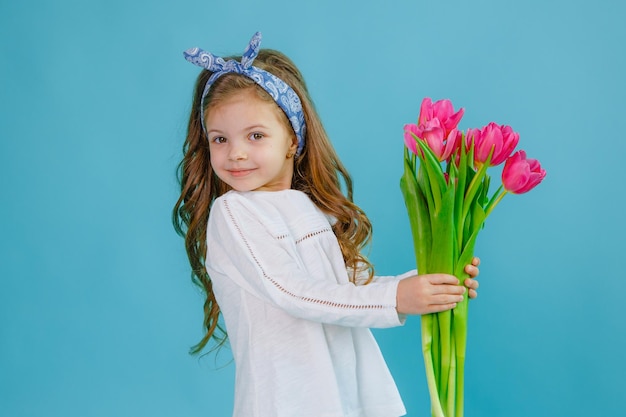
{"type": "Point", "coordinates": [297, 326]}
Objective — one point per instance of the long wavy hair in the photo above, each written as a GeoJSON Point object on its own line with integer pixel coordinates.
{"type": "Point", "coordinates": [318, 172]}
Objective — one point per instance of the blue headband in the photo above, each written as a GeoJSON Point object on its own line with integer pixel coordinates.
{"type": "Point", "coordinates": [283, 95]}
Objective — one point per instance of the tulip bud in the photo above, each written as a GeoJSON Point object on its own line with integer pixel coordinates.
{"type": "Point", "coordinates": [501, 140]}
{"type": "Point", "coordinates": [521, 175]}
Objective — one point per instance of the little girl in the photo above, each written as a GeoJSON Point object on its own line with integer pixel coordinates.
{"type": "Point", "coordinates": [276, 246]}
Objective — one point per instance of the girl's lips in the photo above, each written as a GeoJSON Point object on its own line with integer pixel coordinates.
{"type": "Point", "coordinates": [239, 172]}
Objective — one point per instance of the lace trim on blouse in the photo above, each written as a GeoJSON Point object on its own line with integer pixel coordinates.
{"type": "Point", "coordinates": [311, 234]}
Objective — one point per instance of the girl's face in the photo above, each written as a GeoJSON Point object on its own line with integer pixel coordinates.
{"type": "Point", "coordinates": [251, 146]}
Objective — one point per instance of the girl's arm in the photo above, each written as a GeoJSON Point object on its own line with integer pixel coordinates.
{"type": "Point", "coordinates": [384, 278]}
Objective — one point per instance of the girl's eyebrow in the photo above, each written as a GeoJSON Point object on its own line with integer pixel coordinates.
{"type": "Point", "coordinates": [247, 128]}
{"type": "Point", "coordinates": [256, 126]}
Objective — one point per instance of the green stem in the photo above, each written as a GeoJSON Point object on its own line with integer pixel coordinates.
{"type": "Point", "coordinates": [460, 338]}
{"type": "Point", "coordinates": [436, 348]}
{"type": "Point", "coordinates": [460, 315]}
{"type": "Point", "coordinates": [497, 197]}
{"type": "Point", "coordinates": [435, 404]}
{"type": "Point", "coordinates": [445, 325]}
{"type": "Point", "coordinates": [475, 185]}
{"type": "Point", "coordinates": [452, 393]}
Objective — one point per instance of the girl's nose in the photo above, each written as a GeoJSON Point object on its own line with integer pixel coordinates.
{"type": "Point", "coordinates": [237, 153]}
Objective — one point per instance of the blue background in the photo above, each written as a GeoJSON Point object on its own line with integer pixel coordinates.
{"type": "Point", "coordinates": [97, 311]}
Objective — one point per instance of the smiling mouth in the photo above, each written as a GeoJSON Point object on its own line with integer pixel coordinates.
{"type": "Point", "coordinates": [239, 172]}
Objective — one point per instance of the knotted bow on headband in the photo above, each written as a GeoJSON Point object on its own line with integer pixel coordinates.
{"type": "Point", "coordinates": [283, 95]}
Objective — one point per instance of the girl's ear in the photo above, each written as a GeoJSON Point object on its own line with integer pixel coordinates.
{"type": "Point", "coordinates": [292, 147]}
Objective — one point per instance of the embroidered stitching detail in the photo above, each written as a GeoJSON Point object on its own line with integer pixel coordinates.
{"type": "Point", "coordinates": [289, 293]}
{"type": "Point", "coordinates": [281, 237]}
{"type": "Point", "coordinates": [311, 234]}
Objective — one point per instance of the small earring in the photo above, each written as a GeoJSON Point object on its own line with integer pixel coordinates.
{"type": "Point", "coordinates": [290, 154]}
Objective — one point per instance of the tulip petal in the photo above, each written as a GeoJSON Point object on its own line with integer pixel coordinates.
{"type": "Point", "coordinates": [509, 142]}
{"type": "Point", "coordinates": [409, 137]}
{"type": "Point", "coordinates": [442, 109]}
{"type": "Point", "coordinates": [453, 141]}
{"type": "Point", "coordinates": [533, 180]}
{"type": "Point", "coordinates": [490, 141]}
{"type": "Point", "coordinates": [426, 111]}
{"type": "Point", "coordinates": [453, 121]}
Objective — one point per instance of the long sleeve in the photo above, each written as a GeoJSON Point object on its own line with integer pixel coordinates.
{"type": "Point", "coordinates": [281, 264]}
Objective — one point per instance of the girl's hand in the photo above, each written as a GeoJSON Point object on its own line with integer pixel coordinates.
{"type": "Point", "coordinates": [470, 283]}
{"type": "Point", "coordinates": [432, 293]}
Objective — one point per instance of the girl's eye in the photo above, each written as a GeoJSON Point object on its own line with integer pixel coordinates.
{"type": "Point", "coordinates": [218, 139]}
{"type": "Point", "coordinates": [256, 136]}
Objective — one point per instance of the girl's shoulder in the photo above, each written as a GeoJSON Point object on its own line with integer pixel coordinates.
{"type": "Point", "coordinates": [281, 213]}
{"type": "Point", "coordinates": [267, 204]}
{"type": "Point", "coordinates": [288, 197]}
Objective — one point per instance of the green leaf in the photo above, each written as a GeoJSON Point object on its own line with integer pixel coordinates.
{"type": "Point", "coordinates": [478, 218]}
{"type": "Point", "coordinates": [444, 232]}
{"type": "Point", "coordinates": [434, 171]}
{"type": "Point", "coordinates": [424, 184]}
{"type": "Point", "coordinates": [419, 218]}
{"type": "Point", "coordinates": [459, 221]}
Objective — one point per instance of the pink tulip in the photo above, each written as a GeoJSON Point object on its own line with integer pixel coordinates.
{"type": "Point", "coordinates": [521, 175]}
{"type": "Point", "coordinates": [502, 139]}
{"type": "Point", "coordinates": [432, 134]}
{"type": "Point", "coordinates": [442, 110]}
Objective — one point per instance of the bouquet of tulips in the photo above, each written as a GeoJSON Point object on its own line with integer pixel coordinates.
{"type": "Point", "coordinates": [446, 191]}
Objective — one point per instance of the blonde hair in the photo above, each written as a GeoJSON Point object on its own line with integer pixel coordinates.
{"type": "Point", "coordinates": [318, 172]}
